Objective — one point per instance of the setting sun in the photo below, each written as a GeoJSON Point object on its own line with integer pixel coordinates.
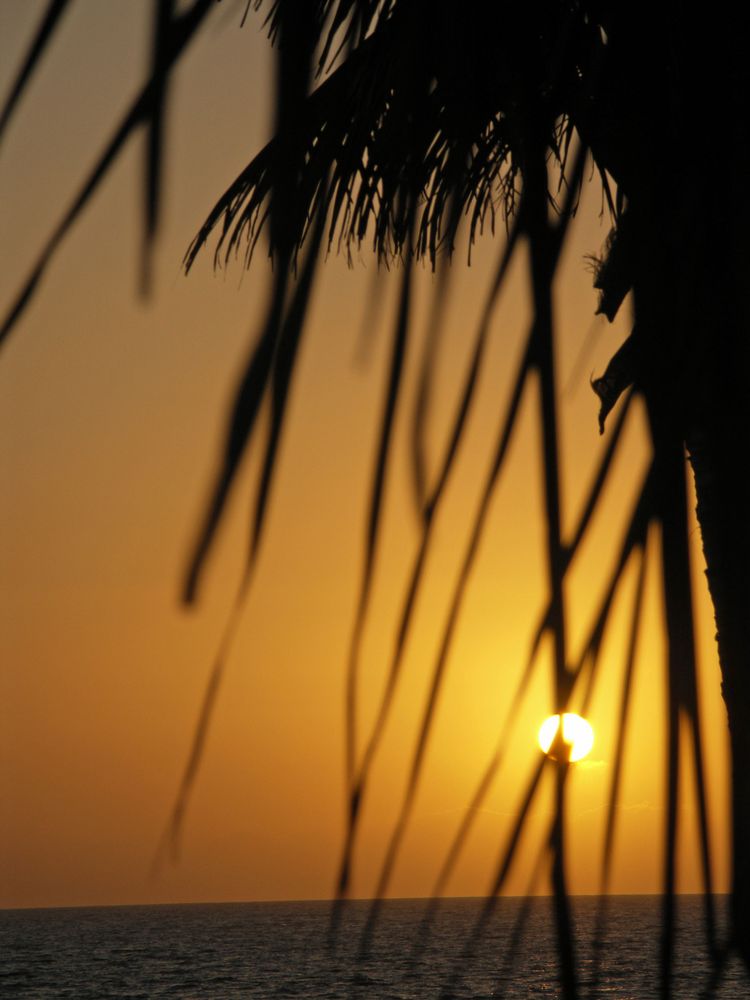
{"type": "Point", "coordinates": [577, 735]}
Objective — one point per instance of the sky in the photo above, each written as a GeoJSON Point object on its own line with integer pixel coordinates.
{"type": "Point", "coordinates": [112, 411]}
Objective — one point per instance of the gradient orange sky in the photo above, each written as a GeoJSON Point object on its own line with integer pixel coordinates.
{"type": "Point", "coordinates": [111, 417]}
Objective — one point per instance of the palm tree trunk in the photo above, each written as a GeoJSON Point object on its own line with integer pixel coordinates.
{"type": "Point", "coordinates": [723, 511]}
{"type": "Point", "coordinates": [699, 319]}
{"type": "Point", "coordinates": [715, 441]}
{"type": "Point", "coordinates": [690, 273]}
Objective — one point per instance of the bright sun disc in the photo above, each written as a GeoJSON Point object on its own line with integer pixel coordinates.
{"type": "Point", "coordinates": [577, 735]}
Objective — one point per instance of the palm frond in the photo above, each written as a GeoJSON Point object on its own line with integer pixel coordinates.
{"type": "Point", "coordinates": [139, 113]}
{"type": "Point", "coordinates": [163, 25]}
{"type": "Point", "coordinates": [43, 37]}
{"type": "Point", "coordinates": [398, 121]}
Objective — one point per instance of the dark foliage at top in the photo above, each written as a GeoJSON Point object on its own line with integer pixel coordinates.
{"type": "Point", "coordinates": [423, 121]}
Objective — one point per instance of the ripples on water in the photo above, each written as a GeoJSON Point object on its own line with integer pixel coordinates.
{"type": "Point", "coordinates": [264, 950]}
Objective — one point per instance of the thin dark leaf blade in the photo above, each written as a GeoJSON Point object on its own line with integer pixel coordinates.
{"type": "Point", "coordinates": [50, 21]}
{"type": "Point", "coordinates": [135, 116]}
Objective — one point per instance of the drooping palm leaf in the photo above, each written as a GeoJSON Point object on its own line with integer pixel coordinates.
{"type": "Point", "coordinates": [163, 20]}
{"type": "Point", "coordinates": [359, 777]}
{"type": "Point", "coordinates": [45, 31]}
{"type": "Point", "coordinates": [140, 112]}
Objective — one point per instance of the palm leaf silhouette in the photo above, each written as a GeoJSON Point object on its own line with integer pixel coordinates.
{"type": "Point", "coordinates": [400, 125]}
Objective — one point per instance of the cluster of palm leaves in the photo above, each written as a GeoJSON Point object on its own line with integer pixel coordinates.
{"type": "Point", "coordinates": [398, 125]}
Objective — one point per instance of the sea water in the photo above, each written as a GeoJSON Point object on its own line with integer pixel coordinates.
{"type": "Point", "coordinates": [264, 950]}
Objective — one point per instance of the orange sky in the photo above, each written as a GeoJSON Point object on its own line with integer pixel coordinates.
{"type": "Point", "coordinates": [111, 417]}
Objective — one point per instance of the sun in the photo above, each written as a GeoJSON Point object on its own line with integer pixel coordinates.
{"type": "Point", "coordinates": [575, 741]}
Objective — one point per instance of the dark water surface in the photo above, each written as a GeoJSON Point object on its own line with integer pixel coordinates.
{"type": "Point", "coordinates": [264, 950]}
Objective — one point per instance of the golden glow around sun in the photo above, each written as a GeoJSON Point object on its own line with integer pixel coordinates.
{"type": "Point", "coordinates": [577, 737]}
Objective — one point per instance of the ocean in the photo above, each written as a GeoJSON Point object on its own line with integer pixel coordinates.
{"type": "Point", "coordinates": [274, 950]}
